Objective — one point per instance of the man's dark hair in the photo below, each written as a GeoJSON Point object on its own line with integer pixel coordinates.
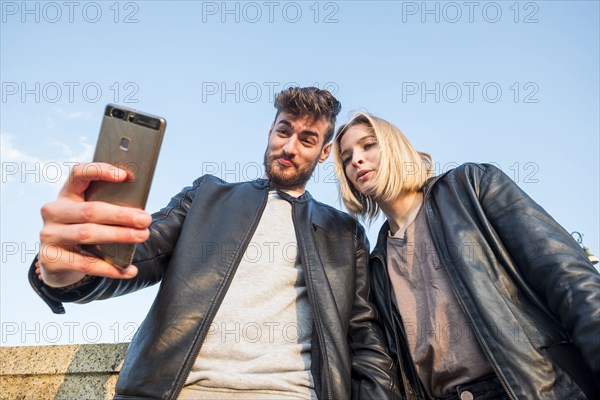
{"type": "Point", "coordinates": [314, 102]}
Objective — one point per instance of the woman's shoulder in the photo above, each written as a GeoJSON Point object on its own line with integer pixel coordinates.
{"type": "Point", "coordinates": [469, 169]}
{"type": "Point", "coordinates": [469, 174]}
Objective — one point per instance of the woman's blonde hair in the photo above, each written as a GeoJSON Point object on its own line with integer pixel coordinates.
{"type": "Point", "coordinates": [401, 167]}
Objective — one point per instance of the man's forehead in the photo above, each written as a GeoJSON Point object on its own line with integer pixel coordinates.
{"type": "Point", "coordinates": [305, 122]}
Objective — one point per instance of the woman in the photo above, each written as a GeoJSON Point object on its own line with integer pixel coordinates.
{"type": "Point", "coordinates": [482, 295]}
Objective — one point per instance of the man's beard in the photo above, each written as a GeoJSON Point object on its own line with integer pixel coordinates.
{"type": "Point", "coordinates": [286, 177]}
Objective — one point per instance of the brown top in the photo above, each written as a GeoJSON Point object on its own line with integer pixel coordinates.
{"type": "Point", "coordinates": [442, 344]}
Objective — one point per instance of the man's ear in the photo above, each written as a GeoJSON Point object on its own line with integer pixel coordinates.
{"type": "Point", "coordinates": [325, 151]}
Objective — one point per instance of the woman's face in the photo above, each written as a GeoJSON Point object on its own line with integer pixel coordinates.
{"type": "Point", "coordinates": [359, 151]}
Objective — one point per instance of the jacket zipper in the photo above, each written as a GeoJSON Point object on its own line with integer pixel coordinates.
{"type": "Point", "coordinates": [187, 368]}
{"type": "Point", "coordinates": [482, 344]}
{"type": "Point", "coordinates": [316, 316]}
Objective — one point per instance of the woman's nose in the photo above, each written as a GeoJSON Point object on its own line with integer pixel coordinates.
{"type": "Point", "coordinates": [357, 160]}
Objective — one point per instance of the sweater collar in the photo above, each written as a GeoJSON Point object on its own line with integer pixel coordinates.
{"type": "Point", "coordinates": [263, 184]}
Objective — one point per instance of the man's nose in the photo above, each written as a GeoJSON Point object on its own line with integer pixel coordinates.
{"type": "Point", "coordinates": [291, 146]}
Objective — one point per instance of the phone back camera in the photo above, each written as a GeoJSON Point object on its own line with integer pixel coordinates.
{"type": "Point", "coordinates": [124, 144]}
{"type": "Point", "coordinates": [116, 113]}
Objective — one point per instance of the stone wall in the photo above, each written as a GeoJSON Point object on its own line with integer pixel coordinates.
{"type": "Point", "coordinates": [72, 372]}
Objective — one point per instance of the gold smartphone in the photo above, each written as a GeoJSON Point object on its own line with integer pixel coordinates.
{"type": "Point", "coordinates": [128, 139]}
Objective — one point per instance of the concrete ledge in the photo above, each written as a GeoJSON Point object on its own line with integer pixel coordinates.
{"type": "Point", "coordinates": [73, 372]}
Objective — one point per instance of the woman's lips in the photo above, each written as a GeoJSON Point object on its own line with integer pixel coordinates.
{"type": "Point", "coordinates": [362, 173]}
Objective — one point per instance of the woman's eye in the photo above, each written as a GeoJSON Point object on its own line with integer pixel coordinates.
{"type": "Point", "coordinates": [369, 145]}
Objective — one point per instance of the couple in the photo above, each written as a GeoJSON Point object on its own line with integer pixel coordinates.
{"type": "Point", "coordinates": [268, 294]}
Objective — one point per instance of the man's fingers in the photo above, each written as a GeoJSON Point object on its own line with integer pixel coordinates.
{"type": "Point", "coordinates": [67, 222]}
{"type": "Point", "coordinates": [68, 212]}
{"type": "Point", "coordinates": [70, 221]}
{"type": "Point", "coordinates": [84, 173]}
{"type": "Point", "coordinates": [70, 262]}
{"type": "Point", "coordinates": [63, 235]}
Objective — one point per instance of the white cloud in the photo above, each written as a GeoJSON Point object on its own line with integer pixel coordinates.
{"type": "Point", "coordinates": [58, 116]}
{"type": "Point", "coordinates": [20, 166]}
{"type": "Point", "coordinates": [82, 153]}
{"type": "Point", "coordinates": [9, 153]}
{"type": "Point", "coordinates": [72, 115]}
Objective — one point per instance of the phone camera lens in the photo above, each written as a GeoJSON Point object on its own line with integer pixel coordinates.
{"type": "Point", "coordinates": [116, 113]}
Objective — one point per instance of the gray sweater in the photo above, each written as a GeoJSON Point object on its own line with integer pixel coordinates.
{"type": "Point", "coordinates": [258, 345]}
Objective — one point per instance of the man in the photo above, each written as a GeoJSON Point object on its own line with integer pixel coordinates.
{"type": "Point", "coordinates": [264, 291]}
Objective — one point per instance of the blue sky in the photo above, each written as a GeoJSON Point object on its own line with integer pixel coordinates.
{"type": "Point", "coordinates": [511, 83]}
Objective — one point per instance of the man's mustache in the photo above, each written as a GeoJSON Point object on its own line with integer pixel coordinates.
{"type": "Point", "coordinates": [285, 157]}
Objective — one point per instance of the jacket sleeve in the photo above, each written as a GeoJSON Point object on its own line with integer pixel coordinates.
{"type": "Point", "coordinates": [151, 258]}
{"type": "Point", "coordinates": [552, 263]}
{"type": "Point", "coordinates": [373, 373]}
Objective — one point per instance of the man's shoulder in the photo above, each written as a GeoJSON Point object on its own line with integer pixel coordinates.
{"type": "Point", "coordinates": [329, 216]}
{"type": "Point", "coordinates": [214, 180]}
{"type": "Point", "coordinates": [327, 208]}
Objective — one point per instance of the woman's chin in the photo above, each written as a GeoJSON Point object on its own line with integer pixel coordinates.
{"type": "Point", "coordinates": [365, 189]}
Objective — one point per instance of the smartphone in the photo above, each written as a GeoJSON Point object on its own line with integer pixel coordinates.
{"type": "Point", "coordinates": [131, 140]}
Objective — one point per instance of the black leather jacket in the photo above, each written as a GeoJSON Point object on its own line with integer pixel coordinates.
{"type": "Point", "coordinates": [195, 246]}
{"type": "Point", "coordinates": [527, 288]}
